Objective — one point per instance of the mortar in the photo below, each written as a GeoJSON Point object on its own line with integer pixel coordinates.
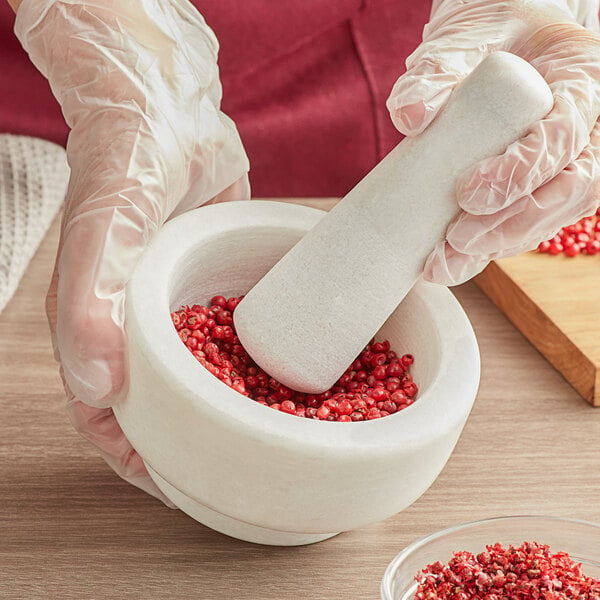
{"type": "Point", "coordinates": [245, 469]}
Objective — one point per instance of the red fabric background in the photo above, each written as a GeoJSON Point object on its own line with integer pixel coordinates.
{"type": "Point", "coordinates": [304, 80]}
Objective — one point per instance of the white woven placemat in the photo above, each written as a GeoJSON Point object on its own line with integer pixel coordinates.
{"type": "Point", "coordinates": [33, 181]}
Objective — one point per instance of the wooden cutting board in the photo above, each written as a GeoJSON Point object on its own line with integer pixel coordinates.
{"type": "Point", "coordinates": [555, 302]}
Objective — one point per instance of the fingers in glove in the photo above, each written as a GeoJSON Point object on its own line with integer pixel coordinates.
{"type": "Point", "coordinates": [475, 239]}
{"type": "Point", "coordinates": [99, 251]}
{"type": "Point", "coordinates": [419, 95]}
{"type": "Point", "coordinates": [569, 59]}
{"type": "Point", "coordinates": [571, 195]}
{"type": "Point", "coordinates": [449, 52]}
{"type": "Point", "coordinates": [101, 428]}
{"type": "Point", "coordinates": [446, 266]}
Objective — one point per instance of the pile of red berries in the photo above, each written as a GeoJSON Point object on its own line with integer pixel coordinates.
{"type": "Point", "coordinates": [527, 572]}
{"type": "Point", "coordinates": [581, 238]}
{"type": "Point", "coordinates": [376, 384]}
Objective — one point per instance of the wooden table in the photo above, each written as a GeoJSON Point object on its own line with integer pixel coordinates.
{"type": "Point", "coordinates": [71, 529]}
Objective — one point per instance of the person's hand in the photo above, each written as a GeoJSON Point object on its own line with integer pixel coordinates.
{"type": "Point", "coordinates": [139, 87]}
{"type": "Point", "coordinates": [544, 181]}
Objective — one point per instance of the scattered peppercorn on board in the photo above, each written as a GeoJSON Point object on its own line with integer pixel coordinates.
{"type": "Point", "coordinates": [555, 302]}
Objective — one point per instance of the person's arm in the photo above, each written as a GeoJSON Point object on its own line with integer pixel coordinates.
{"type": "Point", "coordinates": [549, 178]}
{"type": "Point", "coordinates": [139, 87]}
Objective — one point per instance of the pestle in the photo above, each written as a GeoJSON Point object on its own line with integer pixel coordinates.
{"type": "Point", "coordinates": [309, 317]}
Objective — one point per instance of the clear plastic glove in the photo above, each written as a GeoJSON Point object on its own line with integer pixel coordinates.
{"type": "Point", "coordinates": [542, 182]}
{"type": "Point", "coordinates": [139, 87]}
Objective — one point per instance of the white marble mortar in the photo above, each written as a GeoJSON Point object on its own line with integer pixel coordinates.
{"type": "Point", "coordinates": [249, 471]}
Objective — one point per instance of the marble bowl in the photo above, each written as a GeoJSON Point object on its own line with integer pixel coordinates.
{"type": "Point", "coordinates": [242, 468]}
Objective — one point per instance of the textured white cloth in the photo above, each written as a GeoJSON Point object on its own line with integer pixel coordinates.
{"type": "Point", "coordinates": [33, 181]}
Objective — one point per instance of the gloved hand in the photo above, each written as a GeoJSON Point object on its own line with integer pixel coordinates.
{"type": "Point", "coordinates": [544, 181]}
{"type": "Point", "coordinates": [139, 87]}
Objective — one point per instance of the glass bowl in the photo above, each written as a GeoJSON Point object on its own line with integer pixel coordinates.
{"type": "Point", "coordinates": [580, 539]}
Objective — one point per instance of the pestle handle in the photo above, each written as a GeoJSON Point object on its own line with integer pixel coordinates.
{"type": "Point", "coordinates": [311, 315]}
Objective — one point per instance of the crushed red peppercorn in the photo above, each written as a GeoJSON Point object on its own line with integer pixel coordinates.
{"type": "Point", "coordinates": [582, 237]}
{"type": "Point", "coordinates": [377, 384]}
{"type": "Point", "coordinates": [528, 572]}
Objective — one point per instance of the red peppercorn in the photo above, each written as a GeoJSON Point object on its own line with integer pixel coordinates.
{"type": "Point", "coordinates": [238, 385]}
{"type": "Point", "coordinates": [223, 317]}
{"type": "Point", "coordinates": [323, 412]}
{"type": "Point", "coordinates": [379, 394]}
{"type": "Point", "coordinates": [345, 408]}
{"type": "Point", "coordinates": [378, 347]}
{"type": "Point", "coordinates": [232, 303]}
{"type": "Point", "coordinates": [582, 237]}
{"type": "Point", "coordinates": [572, 249]}
{"type": "Point", "coordinates": [192, 343]}
{"type": "Point", "coordinates": [407, 360]}
{"type": "Point", "coordinates": [395, 370]}
{"type": "Point", "coordinates": [251, 382]}
{"type": "Point", "coordinates": [331, 404]}
{"type": "Point", "coordinates": [199, 336]}
{"type": "Point", "coordinates": [366, 357]}
{"type": "Point", "coordinates": [556, 248]}
{"type": "Point", "coordinates": [399, 397]}
{"type": "Point", "coordinates": [389, 406]}
{"type": "Point", "coordinates": [378, 359]}
{"type": "Point", "coordinates": [373, 413]}
{"type": "Point", "coordinates": [392, 383]}
{"type": "Point", "coordinates": [380, 372]}
{"type": "Point", "coordinates": [410, 388]}
{"type": "Point", "coordinates": [288, 406]}
{"type": "Point", "coordinates": [592, 247]}
{"type": "Point", "coordinates": [218, 301]}
{"type": "Point", "coordinates": [361, 375]}
{"type": "Point", "coordinates": [544, 246]}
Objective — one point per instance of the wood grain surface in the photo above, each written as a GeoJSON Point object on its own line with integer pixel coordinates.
{"type": "Point", "coordinates": [70, 529]}
{"type": "Point", "coordinates": [555, 302]}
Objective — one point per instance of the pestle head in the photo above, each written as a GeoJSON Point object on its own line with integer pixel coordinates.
{"type": "Point", "coordinates": [312, 314]}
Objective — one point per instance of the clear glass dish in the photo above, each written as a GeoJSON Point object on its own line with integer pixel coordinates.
{"type": "Point", "coordinates": [581, 539]}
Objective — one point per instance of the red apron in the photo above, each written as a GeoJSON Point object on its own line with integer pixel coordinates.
{"type": "Point", "coordinates": [305, 82]}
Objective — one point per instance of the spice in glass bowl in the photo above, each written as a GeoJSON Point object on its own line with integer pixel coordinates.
{"type": "Point", "coordinates": [377, 384]}
{"type": "Point", "coordinates": [530, 571]}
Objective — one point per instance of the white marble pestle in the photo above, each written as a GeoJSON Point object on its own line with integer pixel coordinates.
{"type": "Point", "coordinates": [307, 319]}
